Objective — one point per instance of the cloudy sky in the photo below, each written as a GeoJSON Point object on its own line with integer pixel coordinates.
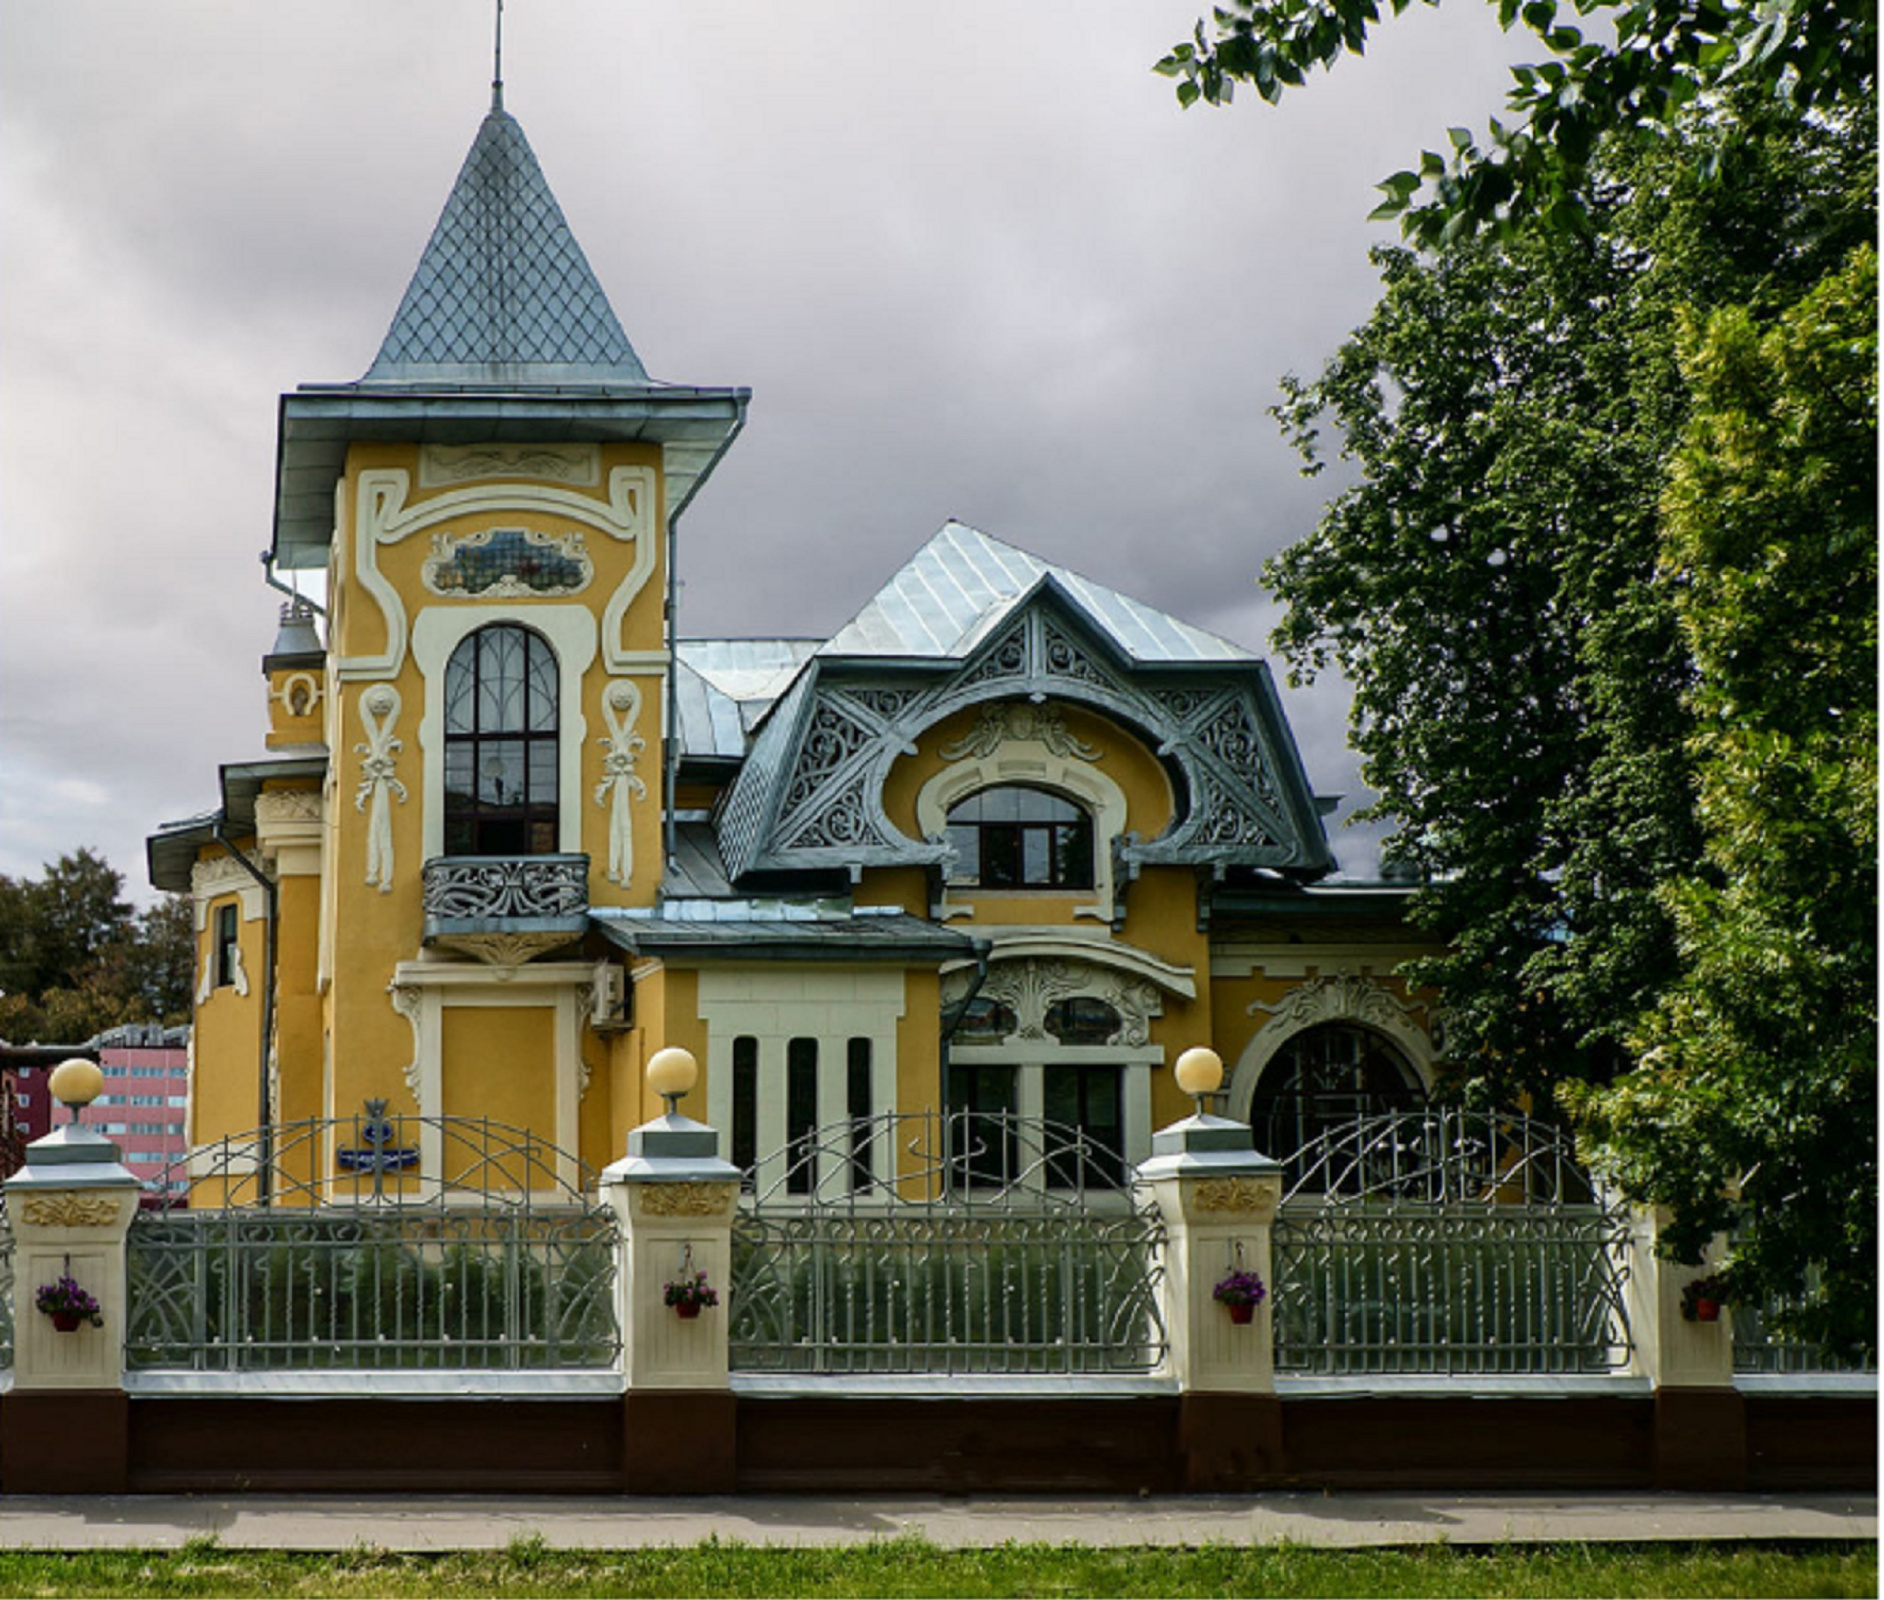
{"type": "Point", "coordinates": [971, 258]}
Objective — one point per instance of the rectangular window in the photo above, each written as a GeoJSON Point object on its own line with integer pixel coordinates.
{"type": "Point", "coordinates": [228, 949]}
{"type": "Point", "coordinates": [984, 1143]}
{"type": "Point", "coordinates": [746, 1107]}
{"type": "Point", "coordinates": [801, 1116]}
{"type": "Point", "coordinates": [1085, 1127]}
{"type": "Point", "coordinates": [857, 1107]}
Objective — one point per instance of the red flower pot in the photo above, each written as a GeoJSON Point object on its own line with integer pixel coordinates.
{"type": "Point", "coordinates": [687, 1310]}
{"type": "Point", "coordinates": [66, 1321]}
{"type": "Point", "coordinates": [1707, 1311]}
{"type": "Point", "coordinates": [1242, 1314]}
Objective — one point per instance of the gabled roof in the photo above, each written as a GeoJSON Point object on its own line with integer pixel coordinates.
{"type": "Point", "coordinates": [503, 293]}
{"type": "Point", "coordinates": [962, 584]}
{"type": "Point", "coordinates": [726, 685]}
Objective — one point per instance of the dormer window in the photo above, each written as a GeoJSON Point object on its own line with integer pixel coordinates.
{"type": "Point", "coordinates": [501, 746]}
{"type": "Point", "coordinates": [1015, 837]}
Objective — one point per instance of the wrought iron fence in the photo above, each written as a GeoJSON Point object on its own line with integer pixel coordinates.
{"type": "Point", "coordinates": [375, 1242]}
{"type": "Point", "coordinates": [1759, 1346]}
{"type": "Point", "coordinates": [943, 1243]}
{"type": "Point", "coordinates": [1447, 1242]}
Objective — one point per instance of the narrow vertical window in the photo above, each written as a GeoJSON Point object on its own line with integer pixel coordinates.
{"type": "Point", "coordinates": [228, 946]}
{"type": "Point", "coordinates": [746, 1107]}
{"type": "Point", "coordinates": [801, 1116]}
{"type": "Point", "coordinates": [501, 745]}
{"type": "Point", "coordinates": [857, 1106]}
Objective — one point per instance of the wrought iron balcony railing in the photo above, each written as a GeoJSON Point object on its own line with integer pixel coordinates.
{"type": "Point", "coordinates": [506, 908]}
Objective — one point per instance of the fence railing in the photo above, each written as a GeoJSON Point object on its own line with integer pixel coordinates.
{"type": "Point", "coordinates": [1759, 1348]}
{"type": "Point", "coordinates": [334, 1247]}
{"type": "Point", "coordinates": [958, 1243]}
{"type": "Point", "coordinates": [1447, 1242]}
{"type": "Point", "coordinates": [6, 1291]}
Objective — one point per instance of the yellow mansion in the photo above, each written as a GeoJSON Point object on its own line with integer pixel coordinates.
{"type": "Point", "coordinates": [1008, 841]}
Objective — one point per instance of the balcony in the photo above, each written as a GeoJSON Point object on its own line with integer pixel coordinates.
{"type": "Point", "coordinates": [506, 909]}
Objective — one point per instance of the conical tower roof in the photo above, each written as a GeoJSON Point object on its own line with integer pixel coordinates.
{"type": "Point", "coordinates": [503, 334]}
{"type": "Point", "coordinates": [503, 294]}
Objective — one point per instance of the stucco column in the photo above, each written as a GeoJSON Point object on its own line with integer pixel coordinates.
{"type": "Point", "coordinates": [1218, 1198]}
{"type": "Point", "coordinates": [64, 1428]}
{"type": "Point", "coordinates": [1700, 1419]}
{"type": "Point", "coordinates": [674, 1200]}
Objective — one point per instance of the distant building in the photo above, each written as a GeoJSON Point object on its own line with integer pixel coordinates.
{"type": "Point", "coordinates": [144, 1108]}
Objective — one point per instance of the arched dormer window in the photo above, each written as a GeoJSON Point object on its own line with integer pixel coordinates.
{"type": "Point", "coordinates": [1015, 837]}
{"type": "Point", "coordinates": [501, 750]}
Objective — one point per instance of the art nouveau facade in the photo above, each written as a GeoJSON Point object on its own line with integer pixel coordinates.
{"type": "Point", "coordinates": [1008, 840]}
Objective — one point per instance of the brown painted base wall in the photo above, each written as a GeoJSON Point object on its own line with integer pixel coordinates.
{"type": "Point", "coordinates": [702, 1443]}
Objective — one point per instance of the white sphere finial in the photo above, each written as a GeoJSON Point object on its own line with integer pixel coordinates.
{"type": "Point", "coordinates": [76, 1083]}
{"type": "Point", "coordinates": [671, 1073]}
{"type": "Point", "coordinates": [1199, 1071]}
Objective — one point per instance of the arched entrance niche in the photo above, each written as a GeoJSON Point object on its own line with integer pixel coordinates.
{"type": "Point", "coordinates": [1321, 1026]}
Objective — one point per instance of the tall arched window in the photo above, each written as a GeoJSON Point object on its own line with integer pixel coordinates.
{"type": "Point", "coordinates": [501, 756]}
{"type": "Point", "coordinates": [1323, 1079]}
{"type": "Point", "coordinates": [1014, 837]}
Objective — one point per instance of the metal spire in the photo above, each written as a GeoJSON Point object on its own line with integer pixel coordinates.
{"type": "Point", "coordinates": [497, 63]}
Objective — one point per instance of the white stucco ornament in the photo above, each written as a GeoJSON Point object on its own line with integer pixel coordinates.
{"type": "Point", "coordinates": [621, 708]}
{"type": "Point", "coordinates": [379, 782]}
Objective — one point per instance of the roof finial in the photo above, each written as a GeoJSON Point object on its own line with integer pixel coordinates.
{"type": "Point", "coordinates": [497, 63]}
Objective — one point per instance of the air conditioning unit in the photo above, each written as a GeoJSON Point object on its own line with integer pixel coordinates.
{"type": "Point", "coordinates": [609, 1008]}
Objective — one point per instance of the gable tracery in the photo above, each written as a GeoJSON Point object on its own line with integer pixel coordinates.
{"type": "Point", "coordinates": [834, 741]}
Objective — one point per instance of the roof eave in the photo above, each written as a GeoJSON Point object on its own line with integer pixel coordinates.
{"type": "Point", "coordinates": [318, 422]}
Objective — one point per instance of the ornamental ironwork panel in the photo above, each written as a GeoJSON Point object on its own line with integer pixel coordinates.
{"type": "Point", "coordinates": [326, 1245]}
{"type": "Point", "coordinates": [959, 1243]}
{"type": "Point", "coordinates": [1760, 1345]}
{"type": "Point", "coordinates": [484, 888]}
{"type": "Point", "coordinates": [1447, 1242]}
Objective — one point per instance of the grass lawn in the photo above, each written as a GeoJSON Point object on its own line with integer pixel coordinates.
{"type": "Point", "coordinates": [912, 1566]}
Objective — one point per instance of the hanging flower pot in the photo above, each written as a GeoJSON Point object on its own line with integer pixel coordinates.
{"type": "Point", "coordinates": [689, 1293]}
{"type": "Point", "coordinates": [1240, 1294]}
{"type": "Point", "coordinates": [1701, 1300]}
{"type": "Point", "coordinates": [67, 1305]}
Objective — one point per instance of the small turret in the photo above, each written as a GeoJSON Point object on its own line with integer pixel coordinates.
{"type": "Point", "coordinates": [296, 669]}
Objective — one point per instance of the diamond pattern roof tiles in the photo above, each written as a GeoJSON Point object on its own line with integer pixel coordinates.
{"type": "Point", "coordinates": [962, 583]}
{"type": "Point", "coordinates": [503, 293]}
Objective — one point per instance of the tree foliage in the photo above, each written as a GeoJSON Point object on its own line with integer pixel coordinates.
{"type": "Point", "coordinates": [75, 960]}
{"type": "Point", "coordinates": [1758, 1079]}
{"type": "Point", "coordinates": [1555, 653]}
{"type": "Point", "coordinates": [1811, 55]}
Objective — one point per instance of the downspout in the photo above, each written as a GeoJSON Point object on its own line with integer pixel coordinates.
{"type": "Point", "coordinates": [984, 949]}
{"type": "Point", "coordinates": [266, 1111]}
{"type": "Point", "coordinates": [670, 739]}
{"type": "Point", "coordinates": [268, 575]}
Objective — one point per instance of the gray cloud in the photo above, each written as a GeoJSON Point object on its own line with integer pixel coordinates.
{"type": "Point", "coordinates": [972, 260]}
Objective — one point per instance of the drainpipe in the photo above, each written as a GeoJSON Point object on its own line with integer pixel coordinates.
{"type": "Point", "coordinates": [268, 575]}
{"type": "Point", "coordinates": [984, 949]}
{"type": "Point", "coordinates": [266, 1110]}
{"type": "Point", "coordinates": [670, 744]}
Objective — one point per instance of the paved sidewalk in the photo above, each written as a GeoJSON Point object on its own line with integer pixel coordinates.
{"type": "Point", "coordinates": [468, 1522]}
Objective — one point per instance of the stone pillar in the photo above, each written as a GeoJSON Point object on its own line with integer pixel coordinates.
{"type": "Point", "coordinates": [674, 1200]}
{"type": "Point", "coordinates": [1700, 1418]}
{"type": "Point", "coordinates": [1218, 1199]}
{"type": "Point", "coordinates": [65, 1427]}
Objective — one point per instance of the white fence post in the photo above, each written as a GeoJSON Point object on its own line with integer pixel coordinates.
{"type": "Point", "coordinates": [1700, 1419]}
{"type": "Point", "coordinates": [1218, 1199]}
{"type": "Point", "coordinates": [674, 1199]}
{"type": "Point", "coordinates": [66, 1426]}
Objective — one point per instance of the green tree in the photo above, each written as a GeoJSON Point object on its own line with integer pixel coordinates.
{"type": "Point", "coordinates": [74, 960]}
{"type": "Point", "coordinates": [1811, 56]}
{"type": "Point", "coordinates": [1757, 1086]}
{"type": "Point", "coordinates": [1525, 654]}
